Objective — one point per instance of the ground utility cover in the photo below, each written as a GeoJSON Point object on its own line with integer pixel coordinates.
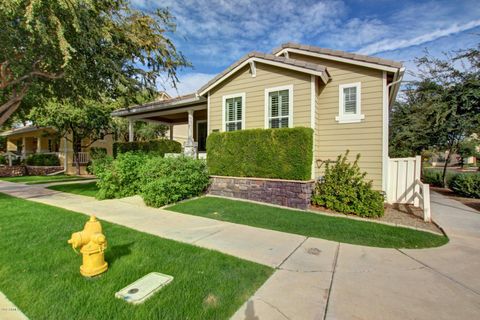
{"type": "Point", "coordinates": [145, 287]}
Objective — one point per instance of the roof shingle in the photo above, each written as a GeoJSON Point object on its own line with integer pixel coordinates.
{"type": "Point", "coordinates": [339, 53]}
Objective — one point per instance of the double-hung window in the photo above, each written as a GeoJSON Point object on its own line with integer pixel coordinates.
{"type": "Point", "coordinates": [349, 103]}
{"type": "Point", "coordinates": [234, 112]}
{"type": "Point", "coordinates": [279, 107]}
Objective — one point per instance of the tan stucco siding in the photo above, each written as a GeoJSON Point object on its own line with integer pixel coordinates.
{"type": "Point", "coordinates": [366, 137]}
{"type": "Point", "coordinates": [254, 89]}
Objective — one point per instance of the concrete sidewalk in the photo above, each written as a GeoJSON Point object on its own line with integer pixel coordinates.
{"type": "Point", "coordinates": [8, 311]}
{"type": "Point", "coordinates": [315, 278]}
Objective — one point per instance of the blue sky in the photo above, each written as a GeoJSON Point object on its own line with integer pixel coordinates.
{"type": "Point", "coordinates": [212, 34]}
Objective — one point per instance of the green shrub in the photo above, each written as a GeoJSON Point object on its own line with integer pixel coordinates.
{"type": "Point", "coordinates": [433, 177]}
{"type": "Point", "coordinates": [466, 185]}
{"type": "Point", "coordinates": [157, 147]}
{"type": "Point", "coordinates": [40, 159]}
{"type": "Point", "coordinates": [168, 180]}
{"type": "Point", "coordinates": [3, 160]}
{"type": "Point", "coordinates": [284, 153]}
{"type": "Point", "coordinates": [120, 177]}
{"type": "Point", "coordinates": [96, 152]}
{"type": "Point", "coordinates": [344, 189]}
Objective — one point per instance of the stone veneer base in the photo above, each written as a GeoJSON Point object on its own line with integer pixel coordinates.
{"type": "Point", "coordinates": [288, 193]}
{"type": "Point", "coordinates": [21, 170]}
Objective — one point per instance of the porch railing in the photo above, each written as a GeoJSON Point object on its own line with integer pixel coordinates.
{"type": "Point", "coordinates": [83, 157]}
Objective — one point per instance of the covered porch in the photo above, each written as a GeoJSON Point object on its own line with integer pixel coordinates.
{"type": "Point", "coordinates": [185, 113]}
{"type": "Point", "coordinates": [30, 140]}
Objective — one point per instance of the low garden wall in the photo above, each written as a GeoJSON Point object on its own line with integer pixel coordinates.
{"type": "Point", "coordinates": [289, 193]}
{"type": "Point", "coordinates": [43, 170]}
{"type": "Point", "coordinates": [17, 171]}
{"type": "Point", "coordinates": [13, 171]}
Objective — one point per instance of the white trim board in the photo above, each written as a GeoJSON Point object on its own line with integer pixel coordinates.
{"type": "Point", "coordinates": [290, 104]}
{"type": "Point", "coordinates": [339, 59]}
{"type": "Point", "coordinates": [321, 74]}
{"type": "Point", "coordinates": [313, 94]}
{"type": "Point", "coordinates": [385, 111]}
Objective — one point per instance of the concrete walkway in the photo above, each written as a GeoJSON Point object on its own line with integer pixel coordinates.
{"type": "Point", "coordinates": [8, 311]}
{"type": "Point", "coordinates": [315, 278]}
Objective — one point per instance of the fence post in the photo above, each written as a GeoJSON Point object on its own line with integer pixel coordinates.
{"type": "Point", "coordinates": [426, 203]}
{"type": "Point", "coordinates": [417, 175]}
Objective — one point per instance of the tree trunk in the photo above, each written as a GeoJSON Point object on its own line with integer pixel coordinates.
{"type": "Point", "coordinates": [444, 173]}
{"type": "Point", "coordinates": [77, 148]}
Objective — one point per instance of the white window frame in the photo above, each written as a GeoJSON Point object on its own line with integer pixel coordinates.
{"type": "Point", "coordinates": [350, 118]}
{"type": "Point", "coordinates": [290, 104]}
{"type": "Point", "coordinates": [244, 102]}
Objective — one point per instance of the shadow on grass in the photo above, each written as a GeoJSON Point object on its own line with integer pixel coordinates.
{"type": "Point", "coordinates": [118, 251]}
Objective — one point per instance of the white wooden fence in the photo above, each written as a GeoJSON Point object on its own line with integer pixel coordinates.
{"type": "Point", "coordinates": [404, 185]}
{"type": "Point", "coordinates": [83, 157]}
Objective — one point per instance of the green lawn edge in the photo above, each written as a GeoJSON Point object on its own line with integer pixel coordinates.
{"type": "Point", "coordinates": [88, 189]}
{"type": "Point", "coordinates": [39, 272]}
{"type": "Point", "coordinates": [42, 179]}
{"type": "Point", "coordinates": [309, 224]}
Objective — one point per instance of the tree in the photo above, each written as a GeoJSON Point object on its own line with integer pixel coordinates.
{"type": "Point", "coordinates": [468, 148]}
{"type": "Point", "coordinates": [442, 108]}
{"type": "Point", "coordinates": [71, 49]}
{"type": "Point", "coordinates": [81, 123]}
{"type": "Point", "coordinates": [144, 131]}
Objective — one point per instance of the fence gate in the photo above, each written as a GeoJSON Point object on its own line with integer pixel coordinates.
{"type": "Point", "coordinates": [403, 174]}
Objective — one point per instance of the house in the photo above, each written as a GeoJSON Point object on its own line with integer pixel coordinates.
{"type": "Point", "coordinates": [28, 140]}
{"type": "Point", "coordinates": [344, 97]}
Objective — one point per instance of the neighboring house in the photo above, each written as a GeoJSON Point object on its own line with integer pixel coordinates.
{"type": "Point", "coordinates": [29, 140]}
{"type": "Point", "coordinates": [344, 97]}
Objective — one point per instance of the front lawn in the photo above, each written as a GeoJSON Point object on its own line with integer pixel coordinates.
{"type": "Point", "coordinates": [89, 189]}
{"type": "Point", "coordinates": [39, 272]}
{"type": "Point", "coordinates": [42, 179]}
{"type": "Point", "coordinates": [309, 224]}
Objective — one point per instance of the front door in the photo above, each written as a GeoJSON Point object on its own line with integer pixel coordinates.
{"type": "Point", "coordinates": [202, 135]}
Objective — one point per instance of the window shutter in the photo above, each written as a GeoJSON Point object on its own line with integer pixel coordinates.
{"type": "Point", "coordinates": [284, 102]}
{"type": "Point", "coordinates": [238, 109]}
{"type": "Point", "coordinates": [350, 100]}
{"type": "Point", "coordinates": [274, 104]}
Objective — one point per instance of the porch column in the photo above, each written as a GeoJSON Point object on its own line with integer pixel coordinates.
{"type": "Point", "coordinates": [24, 147]}
{"type": "Point", "coordinates": [171, 132]}
{"type": "Point", "coordinates": [190, 127]}
{"type": "Point", "coordinates": [130, 130]}
{"type": "Point", "coordinates": [189, 145]}
{"type": "Point", "coordinates": [39, 145]}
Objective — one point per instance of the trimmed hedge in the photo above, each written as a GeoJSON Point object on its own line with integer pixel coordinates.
{"type": "Point", "coordinates": [466, 185]}
{"type": "Point", "coordinates": [284, 153]}
{"type": "Point", "coordinates": [40, 159]}
{"type": "Point", "coordinates": [157, 147]}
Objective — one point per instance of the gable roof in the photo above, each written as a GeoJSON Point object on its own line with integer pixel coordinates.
{"type": "Point", "coordinates": [25, 129]}
{"type": "Point", "coordinates": [282, 62]}
{"type": "Point", "coordinates": [337, 54]}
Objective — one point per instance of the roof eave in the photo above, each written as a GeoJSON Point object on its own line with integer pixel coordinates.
{"type": "Point", "coordinates": [322, 74]}
{"type": "Point", "coordinates": [340, 59]}
{"type": "Point", "coordinates": [157, 106]}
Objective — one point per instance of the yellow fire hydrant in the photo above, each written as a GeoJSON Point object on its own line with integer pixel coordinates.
{"type": "Point", "coordinates": [92, 244]}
